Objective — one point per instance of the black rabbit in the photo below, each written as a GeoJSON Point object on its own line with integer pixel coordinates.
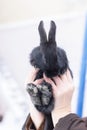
{"type": "Point", "coordinates": [52, 61]}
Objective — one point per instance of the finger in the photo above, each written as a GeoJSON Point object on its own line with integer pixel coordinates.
{"type": "Point", "coordinates": [57, 80]}
{"type": "Point", "coordinates": [69, 76]}
{"type": "Point", "coordinates": [64, 77]}
{"type": "Point", "coordinates": [70, 80]}
{"type": "Point", "coordinates": [48, 80]}
{"type": "Point", "coordinates": [38, 81]}
{"type": "Point", "coordinates": [32, 74]}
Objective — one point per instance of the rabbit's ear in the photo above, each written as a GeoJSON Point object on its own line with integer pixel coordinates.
{"type": "Point", "coordinates": [52, 32]}
{"type": "Point", "coordinates": [43, 37]}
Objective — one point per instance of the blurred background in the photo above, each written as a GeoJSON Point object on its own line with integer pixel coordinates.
{"type": "Point", "coordinates": [19, 21]}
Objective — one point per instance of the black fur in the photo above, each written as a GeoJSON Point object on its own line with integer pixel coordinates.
{"type": "Point", "coordinates": [52, 61]}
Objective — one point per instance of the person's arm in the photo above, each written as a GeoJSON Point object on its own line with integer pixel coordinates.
{"type": "Point", "coordinates": [71, 122]}
{"type": "Point", "coordinates": [62, 91]}
{"type": "Point", "coordinates": [63, 118]}
{"type": "Point", "coordinates": [35, 119]}
{"type": "Point", "coordinates": [29, 124]}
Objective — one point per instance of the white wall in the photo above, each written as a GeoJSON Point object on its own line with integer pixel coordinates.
{"type": "Point", "coordinates": [17, 10]}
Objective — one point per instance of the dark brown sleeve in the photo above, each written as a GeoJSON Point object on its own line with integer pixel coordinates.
{"type": "Point", "coordinates": [71, 122]}
{"type": "Point", "coordinates": [29, 125]}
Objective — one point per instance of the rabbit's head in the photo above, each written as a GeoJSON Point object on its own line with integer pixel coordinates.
{"type": "Point", "coordinates": [49, 58]}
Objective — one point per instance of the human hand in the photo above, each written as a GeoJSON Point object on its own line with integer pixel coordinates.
{"type": "Point", "coordinates": [62, 91]}
{"type": "Point", "coordinates": [33, 111]}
